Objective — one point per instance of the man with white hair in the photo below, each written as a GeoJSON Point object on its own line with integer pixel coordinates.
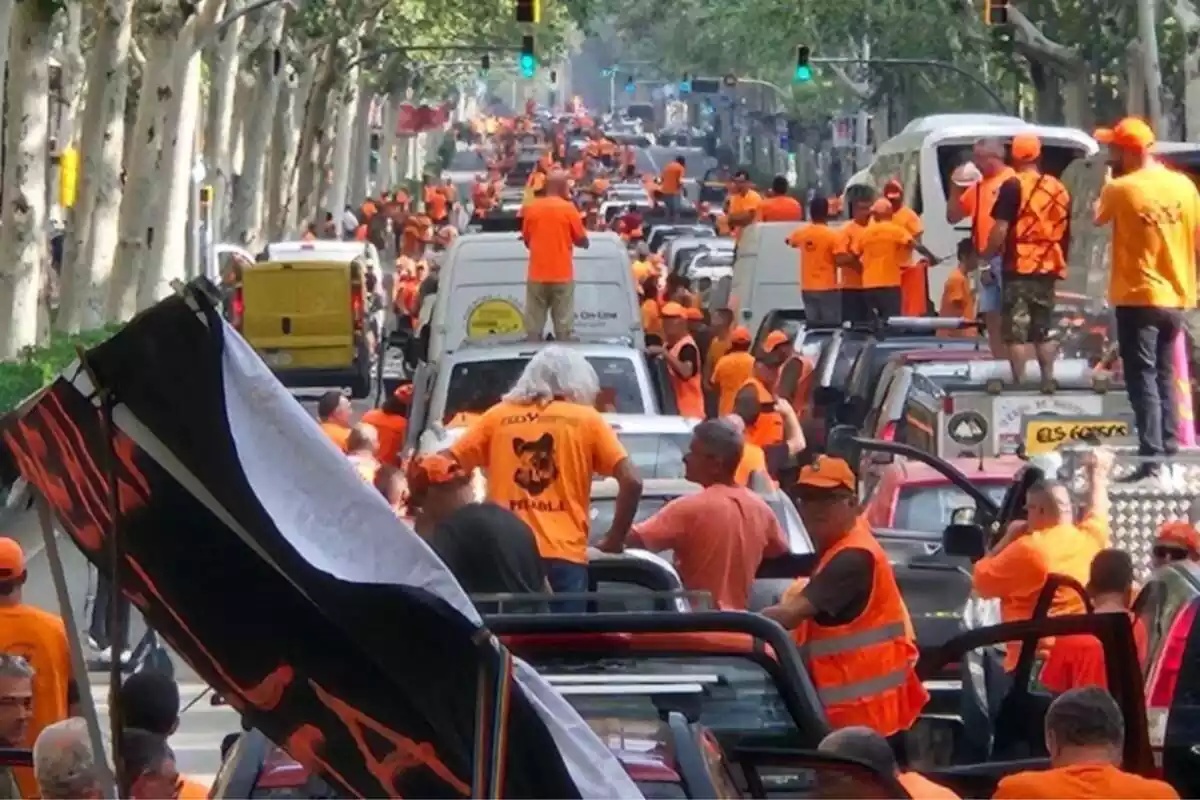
{"type": "Point", "coordinates": [540, 446]}
{"type": "Point", "coordinates": [64, 763]}
{"type": "Point", "coordinates": [551, 228]}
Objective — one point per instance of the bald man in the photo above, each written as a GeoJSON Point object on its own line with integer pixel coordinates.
{"type": "Point", "coordinates": [867, 746]}
{"type": "Point", "coordinates": [552, 229]}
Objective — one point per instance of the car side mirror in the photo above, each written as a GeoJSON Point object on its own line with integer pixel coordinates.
{"type": "Point", "coordinates": [964, 541]}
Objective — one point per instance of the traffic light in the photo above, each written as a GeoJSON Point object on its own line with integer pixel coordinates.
{"type": "Point", "coordinates": [529, 12]}
{"type": "Point", "coordinates": [528, 59]}
{"type": "Point", "coordinates": [630, 86]}
{"type": "Point", "coordinates": [995, 12]}
{"type": "Point", "coordinates": [485, 64]}
{"type": "Point", "coordinates": [803, 67]}
{"type": "Point", "coordinates": [685, 85]}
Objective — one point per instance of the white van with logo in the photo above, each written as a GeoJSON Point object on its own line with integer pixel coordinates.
{"type": "Point", "coordinates": [481, 293]}
{"type": "Point", "coordinates": [923, 155]}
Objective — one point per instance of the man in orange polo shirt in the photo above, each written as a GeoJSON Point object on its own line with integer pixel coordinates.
{"type": "Point", "coordinates": [914, 276]}
{"type": "Point", "coordinates": [743, 203]}
{"type": "Point", "coordinates": [1048, 542]}
{"type": "Point", "coordinates": [884, 248]}
{"type": "Point", "coordinates": [818, 271]}
{"type": "Point", "coordinates": [779, 206]}
{"type": "Point", "coordinates": [974, 188]}
{"type": "Point", "coordinates": [847, 254]}
{"type": "Point", "coordinates": [1154, 213]}
{"type": "Point", "coordinates": [551, 229]}
{"type": "Point", "coordinates": [333, 414]}
{"type": "Point", "coordinates": [670, 186]}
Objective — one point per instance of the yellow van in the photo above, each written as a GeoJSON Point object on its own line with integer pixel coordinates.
{"type": "Point", "coordinates": [308, 321]}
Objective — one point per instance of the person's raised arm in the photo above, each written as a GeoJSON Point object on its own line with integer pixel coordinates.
{"type": "Point", "coordinates": [793, 433]}
{"type": "Point", "coordinates": [579, 233]}
{"type": "Point", "coordinates": [609, 458]}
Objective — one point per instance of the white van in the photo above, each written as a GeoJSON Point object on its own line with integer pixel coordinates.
{"type": "Point", "coordinates": [323, 250]}
{"type": "Point", "coordinates": [481, 293]}
{"type": "Point", "coordinates": [766, 274]}
{"type": "Point", "coordinates": [923, 155]}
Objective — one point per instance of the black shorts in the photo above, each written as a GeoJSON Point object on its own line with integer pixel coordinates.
{"type": "Point", "coordinates": [1027, 308]}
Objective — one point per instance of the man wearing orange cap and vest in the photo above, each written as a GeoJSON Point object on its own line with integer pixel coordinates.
{"type": "Point", "coordinates": [1154, 213]}
{"type": "Point", "coordinates": [731, 371]}
{"type": "Point", "coordinates": [683, 360]}
{"type": "Point", "coordinates": [755, 400]}
{"type": "Point", "coordinates": [1031, 227]}
{"type": "Point", "coordinates": [849, 620]}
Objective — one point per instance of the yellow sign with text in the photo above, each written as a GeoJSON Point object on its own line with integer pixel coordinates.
{"type": "Point", "coordinates": [1046, 434]}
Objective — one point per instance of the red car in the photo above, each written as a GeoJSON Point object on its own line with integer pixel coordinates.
{"type": "Point", "coordinates": [912, 496]}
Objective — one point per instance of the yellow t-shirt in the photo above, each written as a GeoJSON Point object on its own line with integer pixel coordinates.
{"type": "Point", "coordinates": [731, 371]}
{"type": "Point", "coordinates": [1154, 213]}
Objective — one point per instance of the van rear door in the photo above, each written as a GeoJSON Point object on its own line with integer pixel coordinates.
{"type": "Point", "coordinates": [298, 314]}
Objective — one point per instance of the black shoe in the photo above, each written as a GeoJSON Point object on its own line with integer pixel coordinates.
{"type": "Point", "coordinates": [1144, 472]}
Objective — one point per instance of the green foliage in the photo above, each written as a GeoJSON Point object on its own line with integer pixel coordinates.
{"type": "Point", "coordinates": [38, 366]}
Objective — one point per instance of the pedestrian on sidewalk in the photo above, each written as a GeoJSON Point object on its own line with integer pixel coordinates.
{"type": "Point", "coordinates": [1154, 213]}
{"type": "Point", "coordinates": [551, 229]}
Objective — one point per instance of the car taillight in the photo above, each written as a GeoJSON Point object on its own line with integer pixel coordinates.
{"type": "Point", "coordinates": [947, 405]}
{"type": "Point", "coordinates": [237, 308]}
{"type": "Point", "coordinates": [356, 305]}
{"type": "Point", "coordinates": [1160, 688]}
{"type": "Point", "coordinates": [889, 432]}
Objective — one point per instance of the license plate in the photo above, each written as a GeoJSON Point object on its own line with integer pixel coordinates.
{"type": "Point", "coordinates": [277, 359]}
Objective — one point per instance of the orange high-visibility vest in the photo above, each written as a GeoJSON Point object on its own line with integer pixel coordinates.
{"type": "Point", "coordinates": [864, 671]}
{"type": "Point", "coordinates": [689, 393]}
{"type": "Point", "coordinates": [768, 428]}
{"type": "Point", "coordinates": [804, 379]}
{"type": "Point", "coordinates": [1041, 226]}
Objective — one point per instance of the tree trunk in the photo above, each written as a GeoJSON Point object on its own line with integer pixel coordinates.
{"type": "Point", "coordinates": [360, 148]}
{"type": "Point", "coordinates": [280, 179]}
{"type": "Point", "coordinates": [387, 143]}
{"type": "Point", "coordinates": [1147, 33]}
{"type": "Point", "coordinates": [243, 108]}
{"type": "Point", "coordinates": [141, 187]}
{"type": "Point", "coordinates": [1135, 80]}
{"type": "Point", "coordinates": [307, 163]}
{"type": "Point", "coordinates": [73, 68]}
{"type": "Point", "coordinates": [343, 142]}
{"type": "Point", "coordinates": [23, 214]}
{"type": "Point", "coordinates": [1189, 22]}
{"type": "Point", "coordinates": [97, 221]}
{"type": "Point", "coordinates": [248, 200]}
{"type": "Point", "coordinates": [223, 84]}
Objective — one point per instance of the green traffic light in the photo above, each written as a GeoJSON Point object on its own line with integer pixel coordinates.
{"type": "Point", "coordinates": [803, 74]}
{"type": "Point", "coordinates": [528, 65]}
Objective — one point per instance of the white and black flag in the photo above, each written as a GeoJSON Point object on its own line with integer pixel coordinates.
{"type": "Point", "coordinates": [287, 583]}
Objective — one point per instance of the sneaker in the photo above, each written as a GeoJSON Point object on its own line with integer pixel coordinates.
{"type": "Point", "coordinates": [95, 645]}
{"type": "Point", "coordinates": [105, 655]}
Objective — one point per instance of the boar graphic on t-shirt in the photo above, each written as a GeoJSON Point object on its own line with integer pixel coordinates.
{"type": "Point", "coordinates": [536, 468]}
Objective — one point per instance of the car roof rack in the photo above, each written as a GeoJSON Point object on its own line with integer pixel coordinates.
{"type": "Point", "coordinates": [502, 604]}
{"type": "Point", "coordinates": [995, 377]}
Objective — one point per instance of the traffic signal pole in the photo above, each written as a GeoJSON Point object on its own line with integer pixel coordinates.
{"type": "Point", "coordinates": [921, 62]}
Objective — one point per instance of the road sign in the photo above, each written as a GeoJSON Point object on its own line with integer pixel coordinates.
{"type": "Point", "coordinates": [967, 428]}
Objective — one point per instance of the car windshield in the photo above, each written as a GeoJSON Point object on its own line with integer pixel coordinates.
{"type": "Point", "coordinates": [928, 509]}
{"type": "Point", "coordinates": [476, 386]}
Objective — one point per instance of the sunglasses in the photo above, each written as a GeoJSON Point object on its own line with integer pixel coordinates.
{"type": "Point", "coordinates": [1166, 553]}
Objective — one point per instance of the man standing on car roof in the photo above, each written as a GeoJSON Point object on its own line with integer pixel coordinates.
{"type": "Point", "coordinates": [1049, 542]}
{"type": "Point", "coordinates": [779, 206]}
{"type": "Point", "coordinates": [720, 535]}
{"type": "Point", "coordinates": [847, 254]}
{"type": "Point", "coordinates": [755, 402]}
{"type": "Point", "coordinates": [817, 243]}
{"type": "Point", "coordinates": [849, 620]}
{"type": "Point", "coordinates": [743, 203]}
{"type": "Point", "coordinates": [1031, 228]}
{"type": "Point", "coordinates": [551, 229]}
{"type": "Point", "coordinates": [683, 360]}
{"type": "Point", "coordinates": [914, 277]}
{"type": "Point", "coordinates": [670, 186]}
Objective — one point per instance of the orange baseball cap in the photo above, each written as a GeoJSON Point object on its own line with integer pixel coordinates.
{"type": "Point", "coordinates": [693, 314]}
{"type": "Point", "coordinates": [1130, 133]}
{"type": "Point", "coordinates": [827, 472]}
{"type": "Point", "coordinates": [893, 188]}
{"type": "Point", "coordinates": [775, 339]}
{"type": "Point", "coordinates": [1175, 533]}
{"type": "Point", "coordinates": [672, 310]}
{"type": "Point", "coordinates": [12, 559]}
{"type": "Point", "coordinates": [740, 335]}
{"type": "Point", "coordinates": [433, 469]}
{"type": "Point", "coordinates": [1026, 147]}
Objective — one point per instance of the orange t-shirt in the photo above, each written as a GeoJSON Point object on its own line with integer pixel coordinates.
{"type": "Point", "coordinates": [780, 208]}
{"type": "Point", "coordinates": [957, 292]}
{"type": "Point", "coordinates": [719, 537]}
{"type": "Point", "coordinates": [672, 178]}
{"type": "Point", "coordinates": [392, 429]}
{"type": "Point", "coordinates": [540, 461]}
{"type": "Point", "coordinates": [921, 788]}
{"type": "Point", "coordinates": [191, 790]}
{"type": "Point", "coordinates": [41, 639]}
{"type": "Point", "coordinates": [1084, 782]}
{"type": "Point", "coordinates": [977, 203]}
{"type": "Point", "coordinates": [816, 243]}
{"type": "Point", "coordinates": [747, 203]}
{"type": "Point", "coordinates": [886, 247]}
{"type": "Point", "coordinates": [338, 434]}
{"type": "Point", "coordinates": [550, 227]}
{"type": "Point", "coordinates": [1154, 214]}
{"type": "Point", "coordinates": [651, 319]}
{"type": "Point", "coordinates": [753, 460]}
{"type": "Point", "coordinates": [850, 243]}
{"type": "Point", "coordinates": [1079, 660]}
{"type": "Point", "coordinates": [731, 371]}
{"type": "Point", "coordinates": [435, 203]}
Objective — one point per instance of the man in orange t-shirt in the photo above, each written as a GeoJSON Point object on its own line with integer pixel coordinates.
{"type": "Point", "coordinates": [1049, 542]}
{"type": "Point", "coordinates": [720, 535]}
{"type": "Point", "coordinates": [1078, 660]}
{"type": "Point", "coordinates": [847, 254]}
{"type": "Point", "coordinates": [958, 296]}
{"type": "Point", "coordinates": [670, 186]}
{"type": "Point", "coordinates": [1154, 213]}
{"type": "Point", "coordinates": [779, 206]}
{"type": "Point", "coordinates": [974, 189]}
{"type": "Point", "coordinates": [732, 370]}
{"type": "Point", "coordinates": [1085, 735]}
{"type": "Point", "coordinates": [540, 447]}
{"type": "Point", "coordinates": [551, 229]}
{"type": "Point", "coordinates": [884, 248]}
{"type": "Point", "coordinates": [333, 415]}
{"type": "Point", "coordinates": [40, 638]}
{"type": "Point", "coordinates": [818, 270]}
{"type": "Point", "coordinates": [743, 203]}
{"type": "Point", "coordinates": [914, 276]}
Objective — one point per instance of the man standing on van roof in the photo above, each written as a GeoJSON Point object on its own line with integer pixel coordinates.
{"type": "Point", "coordinates": [743, 203]}
{"type": "Point", "coordinates": [914, 277]}
{"type": "Point", "coordinates": [551, 229]}
{"type": "Point", "coordinates": [974, 189]}
{"type": "Point", "coordinates": [1154, 213]}
{"type": "Point", "coordinates": [779, 206]}
{"type": "Point", "coordinates": [1031, 227]}
{"type": "Point", "coordinates": [818, 271]}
